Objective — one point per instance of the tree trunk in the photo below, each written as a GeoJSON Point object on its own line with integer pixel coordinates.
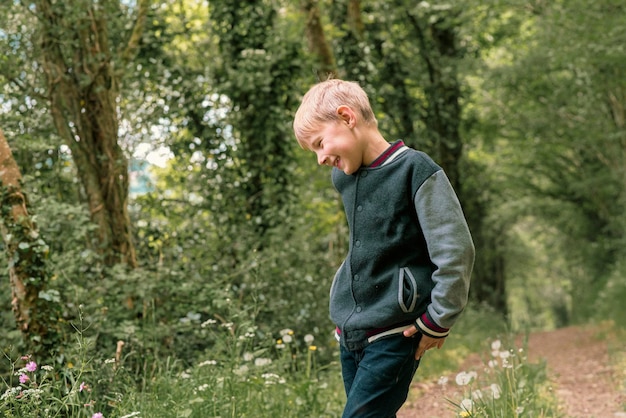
{"type": "Point", "coordinates": [36, 308]}
{"type": "Point", "coordinates": [82, 87]}
{"type": "Point", "coordinates": [316, 39]}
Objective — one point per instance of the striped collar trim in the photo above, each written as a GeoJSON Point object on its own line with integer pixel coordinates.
{"type": "Point", "coordinates": [389, 155]}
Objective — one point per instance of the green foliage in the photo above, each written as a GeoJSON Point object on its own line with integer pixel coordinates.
{"type": "Point", "coordinates": [511, 386]}
{"type": "Point", "coordinates": [477, 324]}
{"type": "Point", "coordinates": [243, 375]}
{"type": "Point", "coordinates": [79, 388]}
{"type": "Point", "coordinates": [242, 228]}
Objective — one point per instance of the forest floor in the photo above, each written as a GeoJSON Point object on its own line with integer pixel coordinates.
{"type": "Point", "coordinates": [585, 381]}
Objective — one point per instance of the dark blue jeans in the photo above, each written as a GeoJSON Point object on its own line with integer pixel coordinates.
{"type": "Point", "coordinates": [377, 378]}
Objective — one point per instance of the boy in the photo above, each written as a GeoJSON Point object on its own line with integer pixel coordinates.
{"type": "Point", "coordinates": [405, 279]}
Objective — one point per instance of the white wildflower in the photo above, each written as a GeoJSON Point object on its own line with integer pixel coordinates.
{"type": "Point", "coordinates": [241, 370]}
{"type": "Point", "coordinates": [261, 361]}
{"type": "Point", "coordinates": [272, 378]}
{"type": "Point", "coordinates": [208, 322]}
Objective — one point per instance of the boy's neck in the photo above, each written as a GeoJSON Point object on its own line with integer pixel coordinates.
{"type": "Point", "coordinates": [375, 145]}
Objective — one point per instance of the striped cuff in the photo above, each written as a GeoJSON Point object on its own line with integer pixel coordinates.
{"type": "Point", "coordinates": [426, 326]}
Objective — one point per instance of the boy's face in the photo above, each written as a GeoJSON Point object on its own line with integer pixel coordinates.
{"type": "Point", "coordinates": [336, 145]}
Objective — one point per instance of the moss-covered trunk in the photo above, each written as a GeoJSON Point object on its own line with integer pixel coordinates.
{"type": "Point", "coordinates": [36, 307]}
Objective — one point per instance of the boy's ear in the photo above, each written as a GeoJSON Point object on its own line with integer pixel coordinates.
{"type": "Point", "coordinates": [347, 115]}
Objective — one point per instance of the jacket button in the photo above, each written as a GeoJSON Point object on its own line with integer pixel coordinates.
{"type": "Point", "coordinates": [359, 309]}
{"type": "Point", "coordinates": [356, 278]}
{"type": "Point", "coordinates": [357, 243]}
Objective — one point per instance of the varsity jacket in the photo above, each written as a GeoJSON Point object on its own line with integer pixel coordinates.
{"type": "Point", "coordinates": [410, 253]}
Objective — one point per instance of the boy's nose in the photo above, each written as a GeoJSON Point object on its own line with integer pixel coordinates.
{"type": "Point", "coordinates": [321, 159]}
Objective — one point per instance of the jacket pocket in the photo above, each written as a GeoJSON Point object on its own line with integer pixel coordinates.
{"type": "Point", "coordinates": [407, 290]}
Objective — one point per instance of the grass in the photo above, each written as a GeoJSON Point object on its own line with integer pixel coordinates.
{"type": "Point", "coordinates": [248, 376]}
{"type": "Point", "coordinates": [509, 386]}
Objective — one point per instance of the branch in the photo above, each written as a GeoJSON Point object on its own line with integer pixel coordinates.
{"type": "Point", "coordinates": [135, 37]}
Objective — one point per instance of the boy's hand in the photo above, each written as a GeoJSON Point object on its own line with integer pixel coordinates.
{"type": "Point", "coordinates": [426, 343]}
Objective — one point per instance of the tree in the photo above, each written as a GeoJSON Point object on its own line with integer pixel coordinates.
{"type": "Point", "coordinates": [255, 75]}
{"type": "Point", "coordinates": [78, 58]}
{"type": "Point", "coordinates": [36, 307]}
{"type": "Point", "coordinates": [558, 105]}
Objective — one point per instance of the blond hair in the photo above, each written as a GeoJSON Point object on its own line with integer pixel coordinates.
{"type": "Point", "coordinates": [319, 105]}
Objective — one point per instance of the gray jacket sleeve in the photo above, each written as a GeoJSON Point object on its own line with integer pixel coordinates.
{"type": "Point", "coordinates": [450, 248]}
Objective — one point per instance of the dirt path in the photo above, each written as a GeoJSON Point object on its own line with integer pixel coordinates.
{"type": "Point", "coordinates": [578, 365]}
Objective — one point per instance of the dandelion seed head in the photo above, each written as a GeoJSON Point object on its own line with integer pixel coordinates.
{"type": "Point", "coordinates": [308, 339]}
{"type": "Point", "coordinates": [463, 378]}
{"type": "Point", "coordinates": [287, 339]}
{"type": "Point", "coordinates": [496, 345]}
{"type": "Point", "coordinates": [495, 390]}
{"type": "Point", "coordinates": [443, 380]}
{"type": "Point", "coordinates": [467, 404]}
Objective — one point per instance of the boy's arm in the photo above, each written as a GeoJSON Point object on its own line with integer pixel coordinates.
{"type": "Point", "coordinates": [451, 250]}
